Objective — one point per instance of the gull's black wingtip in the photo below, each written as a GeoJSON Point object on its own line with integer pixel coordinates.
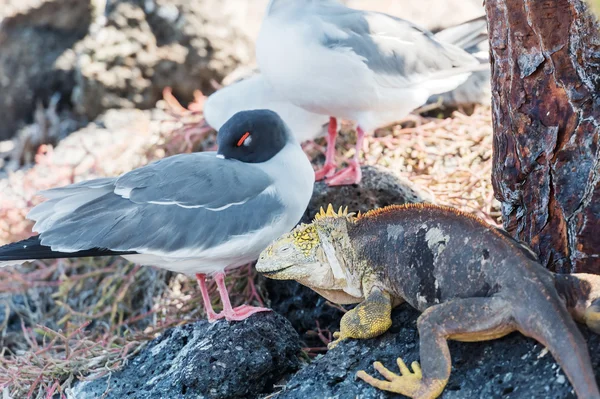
{"type": "Point", "coordinates": [32, 248]}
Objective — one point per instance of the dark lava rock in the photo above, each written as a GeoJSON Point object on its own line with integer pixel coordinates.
{"type": "Point", "coordinates": [34, 41]}
{"type": "Point", "coordinates": [203, 360]}
{"type": "Point", "coordinates": [510, 367]}
{"type": "Point", "coordinates": [303, 307]}
{"type": "Point", "coordinates": [378, 188]}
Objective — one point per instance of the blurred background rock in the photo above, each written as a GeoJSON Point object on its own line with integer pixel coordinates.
{"type": "Point", "coordinates": [595, 4]}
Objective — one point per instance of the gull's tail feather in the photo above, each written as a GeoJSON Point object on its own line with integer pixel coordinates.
{"type": "Point", "coordinates": [472, 37]}
{"type": "Point", "coordinates": [465, 35]}
{"type": "Point", "coordinates": [32, 249]}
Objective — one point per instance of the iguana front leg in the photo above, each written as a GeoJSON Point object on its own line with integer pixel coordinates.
{"type": "Point", "coordinates": [471, 319]}
{"type": "Point", "coordinates": [367, 320]}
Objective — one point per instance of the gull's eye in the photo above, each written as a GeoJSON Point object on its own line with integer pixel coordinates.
{"type": "Point", "coordinates": [246, 139]}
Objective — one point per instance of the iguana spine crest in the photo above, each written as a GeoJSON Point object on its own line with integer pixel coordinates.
{"type": "Point", "coordinates": [331, 213]}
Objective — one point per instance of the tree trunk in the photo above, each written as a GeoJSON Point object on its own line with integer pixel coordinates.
{"type": "Point", "coordinates": [545, 58]}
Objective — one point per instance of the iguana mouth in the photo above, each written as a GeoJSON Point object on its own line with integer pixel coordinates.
{"type": "Point", "coordinates": [270, 273]}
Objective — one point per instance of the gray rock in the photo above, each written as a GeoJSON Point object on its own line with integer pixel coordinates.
{"type": "Point", "coordinates": [34, 40]}
{"type": "Point", "coordinates": [202, 360]}
{"type": "Point", "coordinates": [511, 367]}
{"type": "Point", "coordinates": [147, 45]}
{"type": "Point", "coordinates": [304, 308]}
{"type": "Point", "coordinates": [378, 188]}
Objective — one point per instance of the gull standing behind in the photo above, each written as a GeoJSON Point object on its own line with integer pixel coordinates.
{"type": "Point", "coordinates": [255, 92]}
{"type": "Point", "coordinates": [362, 66]}
{"type": "Point", "coordinates": [199, 213]}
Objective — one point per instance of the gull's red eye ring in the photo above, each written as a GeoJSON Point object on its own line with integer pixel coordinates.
{"type": "Point", "coordinates": [243, 138]}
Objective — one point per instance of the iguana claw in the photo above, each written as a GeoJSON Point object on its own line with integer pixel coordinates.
{"type": "Point", "coordinates": [407, 383]}
{"type": "Point", "coordinates": [338, 338]}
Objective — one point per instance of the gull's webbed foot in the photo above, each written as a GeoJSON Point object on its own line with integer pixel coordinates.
{"type": "Point", "coordinates": [349, 175]}
{"type": "Point", "coordinates": [327, 171]}
{"type": "Point", "coordinates": [241, 312]}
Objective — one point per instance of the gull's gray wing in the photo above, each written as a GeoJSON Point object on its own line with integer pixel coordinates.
{"type": "Point", "coordinates": [181, 203]}
{"type": "Point", "coordinates": [398, 52]}
{"type": "Point", "coordinates": [194, 180]}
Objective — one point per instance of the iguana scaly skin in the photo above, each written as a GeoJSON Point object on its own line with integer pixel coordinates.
{"type": "Point", "coordinates": [472, 282]}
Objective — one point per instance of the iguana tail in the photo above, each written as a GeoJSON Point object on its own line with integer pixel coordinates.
{"type": "Point", "coordinates": [546, 319]}
{"type": "Point", "coordinates": [581, 294]}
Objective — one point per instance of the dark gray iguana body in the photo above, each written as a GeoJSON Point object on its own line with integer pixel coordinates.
{"type": "Point", "coordinates": [471, 281]}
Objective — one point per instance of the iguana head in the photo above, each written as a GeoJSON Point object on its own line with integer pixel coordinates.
{"type": "Point", "coordinates": [311, 255]}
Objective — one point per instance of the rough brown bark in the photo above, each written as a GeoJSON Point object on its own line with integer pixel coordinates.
{"type": "Point", "coordinates": [546, 111]}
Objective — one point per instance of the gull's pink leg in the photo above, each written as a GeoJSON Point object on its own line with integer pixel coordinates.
{"type": "Point", "coordinates": [210, 313]}
{"type": "Point", "coordinates": [351, 174]}
{"type": "Point", "coordinates": [329, 167]}
{"type": "Point", "coordinates": [239, 313]}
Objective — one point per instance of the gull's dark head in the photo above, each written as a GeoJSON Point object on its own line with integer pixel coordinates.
{"type": "Point", "coordinates": [253, 136]}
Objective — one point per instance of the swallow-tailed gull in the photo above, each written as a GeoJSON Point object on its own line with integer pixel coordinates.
{"type": "Point", "coordinates": [362, 66]}
{"type": "Point", "coordinates": [198, 213]}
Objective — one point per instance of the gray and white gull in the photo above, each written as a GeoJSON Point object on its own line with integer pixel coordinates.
{"type": "Point", "coordinates": [199, 213]}
{"type": "Point", "coordinates": [367, 67]}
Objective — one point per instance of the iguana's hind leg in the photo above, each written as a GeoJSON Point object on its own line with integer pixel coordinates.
{"type": "Point", "coordinates": [471, 319]}
{"type": "Point", "coordinates": [370, 318]}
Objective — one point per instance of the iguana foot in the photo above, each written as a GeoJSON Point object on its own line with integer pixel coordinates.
{"type": "Point", "coordinates": [338, 338]}
{"type": "Point", "coordinates": [369, 319]}
{"type": "Point", "coordinates": [408, 383]}
{"type": "Point", "coordinates": [592, 316]}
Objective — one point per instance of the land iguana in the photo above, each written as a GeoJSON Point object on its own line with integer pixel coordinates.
{"type": "Point", "coordinates": [471, 281]}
